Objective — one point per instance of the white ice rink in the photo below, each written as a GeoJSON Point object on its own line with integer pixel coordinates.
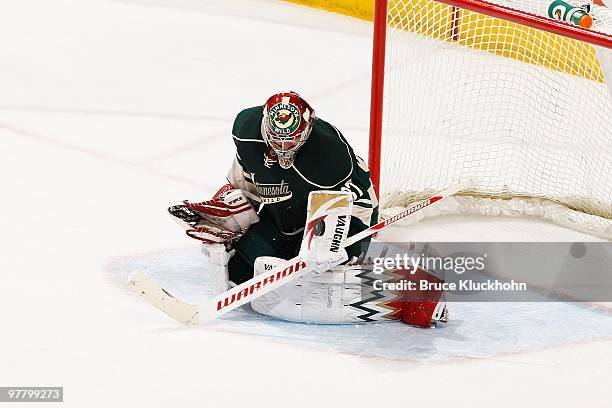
{"type": "Point", "coordinates": [112, 110]}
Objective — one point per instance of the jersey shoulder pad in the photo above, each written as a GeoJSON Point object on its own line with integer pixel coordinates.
{"type": "Point", "coordinates": [326, 159]}
{"type": "Point", "coordinates": [247, 125]}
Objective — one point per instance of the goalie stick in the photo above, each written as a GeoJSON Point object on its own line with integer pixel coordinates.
{"type": "Point", "coordinates": [268, 281]}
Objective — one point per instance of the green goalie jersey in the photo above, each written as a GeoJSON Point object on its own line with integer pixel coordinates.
{"type": "Point", "coordinates": [325, 162]}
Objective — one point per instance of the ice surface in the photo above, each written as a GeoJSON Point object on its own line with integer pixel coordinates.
{"type": "Point", "coordinates": [109, 112]}
{"type": "Point", "coordinates": [476, 330]}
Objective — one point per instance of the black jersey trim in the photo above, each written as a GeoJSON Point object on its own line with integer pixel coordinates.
{"type": "Point", "coordinates": [348, 150]}
{"type": "Point", "coordinates": [363, 205]}
{"type": "Point", "coordinates": [366, 201]}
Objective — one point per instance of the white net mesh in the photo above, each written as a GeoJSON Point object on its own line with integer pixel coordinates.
{"type": "Point", "coordinates": [525, 111]}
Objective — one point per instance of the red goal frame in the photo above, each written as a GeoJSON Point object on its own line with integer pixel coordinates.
{"type": "Point", "coordinates": [493, 10]}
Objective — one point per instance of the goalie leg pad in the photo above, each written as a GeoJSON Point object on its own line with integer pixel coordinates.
{"type": "Point", "coordinates": [335, 296]}
{"type": "Point", "coordinates": [218, 258]}
{"type": "Point", "coordinates": [424, 308]}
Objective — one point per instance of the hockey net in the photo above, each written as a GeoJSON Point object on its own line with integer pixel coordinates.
{"type": "Point", "coordinates": [498, 95]}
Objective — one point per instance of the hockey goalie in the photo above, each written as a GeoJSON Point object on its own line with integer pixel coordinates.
{"type": "Point", "coordinates": [264, 216]}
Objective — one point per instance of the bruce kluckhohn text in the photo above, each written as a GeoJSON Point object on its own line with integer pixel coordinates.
{"type": "Point", "coordinates": [461, 285]}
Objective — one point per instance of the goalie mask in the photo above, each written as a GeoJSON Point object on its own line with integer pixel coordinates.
{"type": "Point", "coordinates": [286, 125]}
